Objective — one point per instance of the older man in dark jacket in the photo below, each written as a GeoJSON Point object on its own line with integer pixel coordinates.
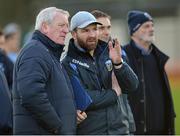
{"type": "Point", "coordinates": [152, 103]}
{"type": "Point", "coordinates": [42, 95]}
{"type": "Point", "coordinates": [92, 62]}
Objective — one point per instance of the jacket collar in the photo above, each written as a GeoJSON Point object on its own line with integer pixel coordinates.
{"type": "Point", "coordinates": [137, 52]}
{"type": "Point", "coordinates": [73, 50]}
{"type": "Point", "coordinates": [101, 47]}
{"type": "Point", "coordinates": [160, 56]}
{"type": "Point", "coordinates": [143, 51]}
{"type": "Point", "coordinates": [57, 49]}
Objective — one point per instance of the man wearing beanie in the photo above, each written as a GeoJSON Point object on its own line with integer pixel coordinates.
{"type": "Point", "coordinates": [152, 103]}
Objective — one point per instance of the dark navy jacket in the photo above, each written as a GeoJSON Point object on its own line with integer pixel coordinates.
{"type": "Point", "coordinates": [138, 100]}
{"type": "Point", "coordinates": [43, 100]}
{"type": "Point", "coordinates": [6, 107]}
{"type": "Point", "coordinates": [104, 114]}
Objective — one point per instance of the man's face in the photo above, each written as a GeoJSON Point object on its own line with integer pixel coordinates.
{"type": "Point", "coordinates": [145, 32]}
{"type": "Point", "coordinates": [104, 29]}
{"type": "Point", "coordinates": [58, 28]}
{"type": "Point", "coordinates": [2, 41]}
{"type": "Point", "coordinates": [13, 42]}
{"type": "Point", "coordinates": [87, 37]}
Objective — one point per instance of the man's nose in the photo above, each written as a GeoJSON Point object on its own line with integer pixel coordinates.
{"type": "Point", "coordinates": [106, 31]}
{"type": "Point", "coordinates": [92, 33]}
{"type": "Point", "coordinates": [151, 27]}
{"type": "Point", "coordinates": [66, 29]}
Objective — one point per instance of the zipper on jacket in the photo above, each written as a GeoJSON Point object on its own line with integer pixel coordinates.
{"type": "Point", "coordinates": [97, 74]}
{"type": "Point", "coordinates": [144, 95]}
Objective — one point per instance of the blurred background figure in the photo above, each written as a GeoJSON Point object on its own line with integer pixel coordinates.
{"type": "Point", "coordinates": [2, 38]}
{"type": "Point", "coordinates": [152, 103]}
{"type": "Point", "coordinates": [5, 101]}
{"type": "Point", "coordinates": [27, 36]}
{"type": "Point", "coordinates": [6, 65]}
{"type": "Point", "coordinates": [12, 34]}
{"type": "Point", "coordinates": [6, 107]}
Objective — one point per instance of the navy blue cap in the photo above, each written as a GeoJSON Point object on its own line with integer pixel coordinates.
{"type": "Point", "coordinates": [136, 19]}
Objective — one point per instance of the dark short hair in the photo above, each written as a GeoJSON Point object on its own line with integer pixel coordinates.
{"type": "Point", "coordinates": [98, 14]}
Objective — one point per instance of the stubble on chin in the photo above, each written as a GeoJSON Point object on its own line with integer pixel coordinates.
{"type": "Point", "coordinates": [150, 39]}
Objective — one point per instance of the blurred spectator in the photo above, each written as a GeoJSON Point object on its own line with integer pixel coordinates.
{"type": "Point", "coordinates": [5, 101]}
{"type": "Point", "coordinates": [152, 103]}
{"type": "Point", "coordinates": [6, 64]}
{"type": "Point", "coordinates": [6, 107]}
{"type": "Point", "coordinates": [2, 38]}
{"type": "Point", "coordinates": [12, 34]}
{"type": "Point", "coordinates": [28, 36]}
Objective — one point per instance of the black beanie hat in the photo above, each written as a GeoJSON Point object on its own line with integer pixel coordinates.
{"type": "Point", "coordinates": [136, 19]}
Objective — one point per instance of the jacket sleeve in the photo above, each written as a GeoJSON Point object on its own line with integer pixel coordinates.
{"type": "Point", "coordinates": [126, 77]}
{"type": "Point", "coordinates": [32, 77]}
{"type": "Point", "coordinates": [100, 98]}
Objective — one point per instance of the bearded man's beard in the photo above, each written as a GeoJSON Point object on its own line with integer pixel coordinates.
{"type": "Point", "coordinates": [148, 38]}
{"type": "Point", "coordinates": [87, 45]}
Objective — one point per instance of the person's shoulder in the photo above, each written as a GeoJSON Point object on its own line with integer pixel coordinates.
{"type": "Point", "coordinates": [125, 46]}
{"type": "Point", "coordinates": [102, 44]}
{"type": "Point", "coordinates": [4, 57]}
{"type": "Point", "coordinates": [160, 53]}
{"type": "Point", "coordinates": [157, 49]}
{"type": "Point", "coordinates": [66, 60]}
{"type": "Point", "coordinates": [34, 49]}
{"type": "Point", "coordinates": [2, 52]}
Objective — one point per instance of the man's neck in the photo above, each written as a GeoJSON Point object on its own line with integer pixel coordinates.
{"type": "Point", "coordinates": [142, 44]}
{"type": "Point", "coordinates": [81, 49]}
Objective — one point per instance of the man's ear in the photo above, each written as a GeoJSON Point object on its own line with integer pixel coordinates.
{"type": "Point", "coordinates": [45, 28]}
{"type": "Point", "coordinates": [74, 34]}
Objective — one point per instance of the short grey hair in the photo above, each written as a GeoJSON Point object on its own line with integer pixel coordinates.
{"type": "Point", "coordinates": [47, 15]}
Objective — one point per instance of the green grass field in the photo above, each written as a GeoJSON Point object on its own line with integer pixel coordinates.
{"type": "Point", "coordinates": [176, 97]}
